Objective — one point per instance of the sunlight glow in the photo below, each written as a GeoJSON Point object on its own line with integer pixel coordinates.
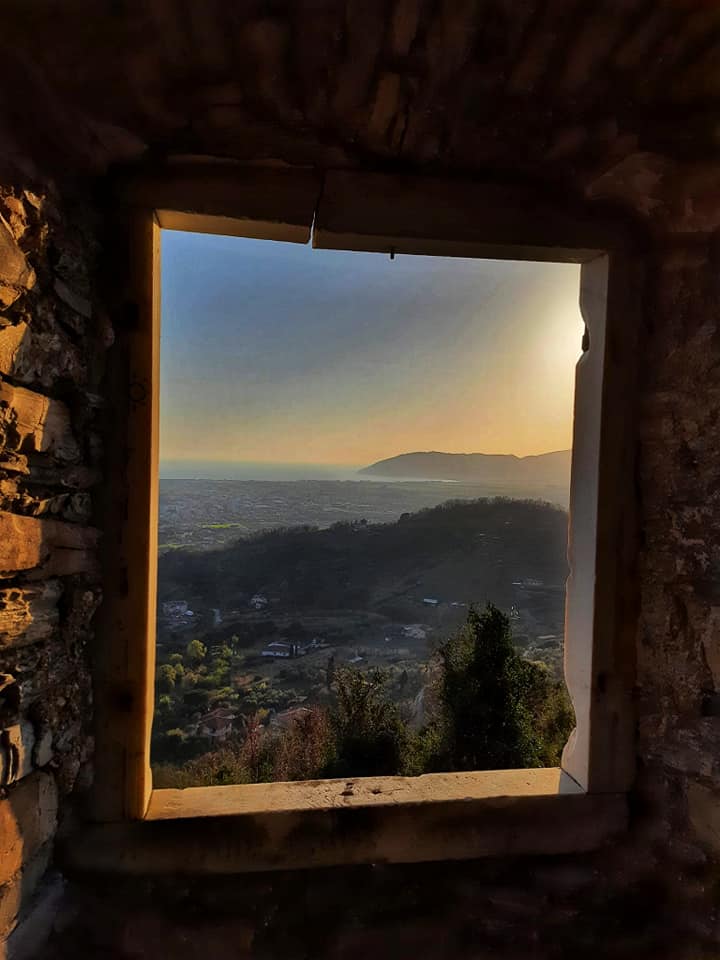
{"type": "Point", "coordinates": [280, 353]}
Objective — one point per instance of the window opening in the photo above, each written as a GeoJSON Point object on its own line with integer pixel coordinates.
{"type": "Point", "coordinates": [358, 454]}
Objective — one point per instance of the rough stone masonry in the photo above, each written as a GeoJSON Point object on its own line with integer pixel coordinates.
{"type": "Point", "coordinates": [614, 102]}
{"type": "Point", "coordinates": [51, 364]}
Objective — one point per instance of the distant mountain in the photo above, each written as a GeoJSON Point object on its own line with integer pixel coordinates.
{"type": "Point", "coordinates": [546, 469]}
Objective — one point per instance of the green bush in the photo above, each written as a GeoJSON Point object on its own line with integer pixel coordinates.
{"type": "Point", "coordinates": [370, 736]}
{"type": "Point", "coordinates": [496, 710]}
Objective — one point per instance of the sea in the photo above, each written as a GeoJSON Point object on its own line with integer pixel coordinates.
{"type": "Point", "coordinates": [253, 470]}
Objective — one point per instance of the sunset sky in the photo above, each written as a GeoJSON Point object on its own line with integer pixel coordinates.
{"type": "Point", "coordinates": [278, 352]}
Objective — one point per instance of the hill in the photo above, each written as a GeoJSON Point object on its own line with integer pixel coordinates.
{"type": "Point", "coordinates": [461, 551]}
{"type": "Point", "coordinates": [501, 469]}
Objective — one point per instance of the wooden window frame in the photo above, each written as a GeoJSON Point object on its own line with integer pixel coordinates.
{"type": "Point", "coordinates": [435, 816]}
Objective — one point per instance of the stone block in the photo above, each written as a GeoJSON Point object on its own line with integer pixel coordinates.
{"type": "Point", "coordinates": [28, 819]}
{"type": "Point", "coordinates": [14, 212]}
{"type": "Point", "coordinates": [34, 423]}
{"type": "Point", "coordinates": [29, 939]}
{"type": "Point", "coordinates": [45, 548]}
{"type": "Point", "coordinates": [40, 354]}
{"type": "Point", "coordinates": [17, 891]}
{"type": "Point", "coordinates": [43, 749]}
{"type": "Point", "coordinates": [16, 752]}
{"type": "Point", "coordinates": [16, 275]}
{"type": "Point", "coordinates": [28, 613]}
{"type": "Point", "coordinates": [9, 699]}
{"type": "Point", "coordinates": [74, 300]}
{"type": "Point", "coordinates": [10, 340]}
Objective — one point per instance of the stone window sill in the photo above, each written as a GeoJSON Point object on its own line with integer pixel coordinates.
{"type": "Point", "coordinates": [326, 823]}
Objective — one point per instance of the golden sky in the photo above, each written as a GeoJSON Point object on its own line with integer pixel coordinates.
{"type": "Point", "coordinates": [281, 353]}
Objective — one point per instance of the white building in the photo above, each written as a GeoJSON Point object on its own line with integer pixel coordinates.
{"type": "Point", "coordinates": [278, 649]}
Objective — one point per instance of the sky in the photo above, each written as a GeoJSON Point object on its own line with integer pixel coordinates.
{"type": "Point", "coordinates": [276, 352]}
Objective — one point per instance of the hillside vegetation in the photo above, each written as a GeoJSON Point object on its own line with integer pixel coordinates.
{"type": "Point", "coordinates": [468, 551]}
{"type": "Point", "coordinates": [359, 649]}
{"type": "Point", "coordinates": [490, 710]}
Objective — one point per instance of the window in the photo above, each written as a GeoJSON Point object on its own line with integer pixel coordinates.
{"type": "Point", "coordinates": [539, 810]}
{"type": "Point", "coordinates": [319, 579]}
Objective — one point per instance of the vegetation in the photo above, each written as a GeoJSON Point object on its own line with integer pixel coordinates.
{"type": "Point", "coordinates": [487, 709]}
{"type": "Point", "coordinates": [497, 711]}
{"type": "Point", "coordinates": [466, 547]}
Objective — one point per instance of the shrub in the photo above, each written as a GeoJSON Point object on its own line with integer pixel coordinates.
{"type": "Point", "coordinates": [497, 710]}
{"type": "Point", "coordinates": [306, 749]}
{"type": "Point", "coordinates": [370, 735]}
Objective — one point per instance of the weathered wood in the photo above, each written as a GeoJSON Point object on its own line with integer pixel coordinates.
{"type": "Point", "coordinates": [357, 792]}
{"type": "Point", "coordinates": [28, 613]}
{"type": "Point", "coordinates": [366, 211]}
{"type": "Point", "coordinates": [44, 548]}
{"type": "Point", "coordinates": [601, 596]}
{"type": "Point", "coordinates": [125, 665]}
{"type": "Point", "coordinates": [272, 204]}
{"type": "Point", "coordinates": [235, 201]}
{"type": "Point", "coordinates": [582, 546]}
{"type": "Point", "coordinates": [34, 423]}
{"type": "Point", "coordinates": [617, 589]}
{"type": "Point", "coordinates": [140, 535]}
{"type": "Point", "coordinates": [439, 829]}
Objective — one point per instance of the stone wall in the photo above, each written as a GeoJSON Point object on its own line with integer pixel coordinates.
{"type": "Point", "coordinates": [52, 343]}
{"type": "Point", "coordinates": [604, 98]}
{"type": "Point", "coordinates": [653, 893]}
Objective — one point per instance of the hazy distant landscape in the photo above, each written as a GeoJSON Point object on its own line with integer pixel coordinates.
{"type": "Point", "coordinates": [215, 504]}
{"type": "Point", "coordinates": [547, 470]}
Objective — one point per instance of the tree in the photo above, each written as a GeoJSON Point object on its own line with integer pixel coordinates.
{"type": "Point", "coordinates": [166, 678]}
{"type": "Point", "coordinates": [495, 706]}
{"type": "Point", "coordinates": [164, 704]}
{"type": "Point", "coordinates": [370, 735]}
{"type": "Point", "coordinates": [195, 700]}
{"type": "Point", "coordinates": [196, 652]}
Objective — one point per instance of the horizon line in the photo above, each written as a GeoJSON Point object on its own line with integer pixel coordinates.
{"type": "Point", "coordinates": [348, 463]}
